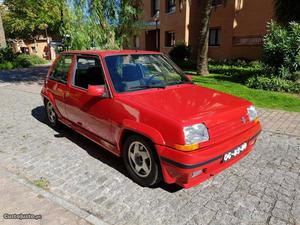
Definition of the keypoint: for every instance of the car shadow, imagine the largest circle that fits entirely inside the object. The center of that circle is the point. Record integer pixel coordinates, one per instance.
(93, 149)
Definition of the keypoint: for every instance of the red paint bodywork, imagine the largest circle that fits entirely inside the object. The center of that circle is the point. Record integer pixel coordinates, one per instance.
(160, 115)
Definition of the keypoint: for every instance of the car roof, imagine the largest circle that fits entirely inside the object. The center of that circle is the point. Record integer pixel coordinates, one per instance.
(104, 53)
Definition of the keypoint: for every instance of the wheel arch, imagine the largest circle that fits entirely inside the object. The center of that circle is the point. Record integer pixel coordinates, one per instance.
(135, 128)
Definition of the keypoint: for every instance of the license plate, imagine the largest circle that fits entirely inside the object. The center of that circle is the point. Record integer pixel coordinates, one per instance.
(235, 152)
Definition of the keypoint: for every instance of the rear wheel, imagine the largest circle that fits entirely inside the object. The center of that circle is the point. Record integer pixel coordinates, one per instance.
(51, 114)
(141, 161)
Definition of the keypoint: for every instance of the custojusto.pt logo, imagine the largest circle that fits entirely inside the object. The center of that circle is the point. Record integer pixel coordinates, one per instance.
(21, 216)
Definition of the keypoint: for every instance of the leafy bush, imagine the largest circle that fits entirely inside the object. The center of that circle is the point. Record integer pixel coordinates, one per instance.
(181, 55)
(6, 55)
(7, 66)
(24, 60)
(230, 62)
(238, 74)
(281, 52)
(273, 84)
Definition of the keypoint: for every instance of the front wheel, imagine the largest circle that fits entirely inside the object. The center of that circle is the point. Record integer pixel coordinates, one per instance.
(140, 161)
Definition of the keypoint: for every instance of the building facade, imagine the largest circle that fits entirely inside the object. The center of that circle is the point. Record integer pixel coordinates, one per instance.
(236, 28)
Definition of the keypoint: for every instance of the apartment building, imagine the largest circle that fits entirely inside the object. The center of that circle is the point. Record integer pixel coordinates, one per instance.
(236, 28)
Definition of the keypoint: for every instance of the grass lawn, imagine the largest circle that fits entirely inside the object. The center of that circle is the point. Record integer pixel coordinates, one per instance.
(261, 98)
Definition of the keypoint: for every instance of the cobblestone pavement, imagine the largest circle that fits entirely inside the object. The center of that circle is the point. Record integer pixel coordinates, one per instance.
(263, 188)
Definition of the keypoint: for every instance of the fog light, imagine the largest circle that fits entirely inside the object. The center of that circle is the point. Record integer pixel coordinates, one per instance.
(197, 173)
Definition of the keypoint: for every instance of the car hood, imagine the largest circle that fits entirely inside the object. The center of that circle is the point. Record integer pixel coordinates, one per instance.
(189, 103)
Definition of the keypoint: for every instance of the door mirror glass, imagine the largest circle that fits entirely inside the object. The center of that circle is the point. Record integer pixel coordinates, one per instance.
(96, 91)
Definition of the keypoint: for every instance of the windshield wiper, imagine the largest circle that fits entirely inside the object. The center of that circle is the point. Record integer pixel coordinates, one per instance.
(180, 82)
(147, 87)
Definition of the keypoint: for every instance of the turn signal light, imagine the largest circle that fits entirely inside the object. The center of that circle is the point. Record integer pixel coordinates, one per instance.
(187, 148)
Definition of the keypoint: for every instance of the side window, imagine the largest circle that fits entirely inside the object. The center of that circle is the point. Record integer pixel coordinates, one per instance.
(61, 69)
(88, 71)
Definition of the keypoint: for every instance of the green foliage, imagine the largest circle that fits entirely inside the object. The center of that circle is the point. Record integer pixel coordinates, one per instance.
(273, 84)
(7, 65)
(42, 183)
(129, 23)
(99, 24)
(287, 11)
(6, 54)
(27, 19)
(180, 54)
(9, 60)
(261, 98)
(281, 52)
(102, 24)
(24, 60)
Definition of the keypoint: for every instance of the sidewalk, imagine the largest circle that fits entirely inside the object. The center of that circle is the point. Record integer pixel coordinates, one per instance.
(281, 122)
(17, 198)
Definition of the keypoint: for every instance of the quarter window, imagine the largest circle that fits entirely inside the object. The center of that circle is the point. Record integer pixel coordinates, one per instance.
(169, 39)
(88, 72)
(171, 6)
(61, 69)
(214, 37)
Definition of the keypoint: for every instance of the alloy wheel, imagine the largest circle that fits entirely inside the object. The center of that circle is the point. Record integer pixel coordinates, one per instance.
(51, 112)
(139, 159)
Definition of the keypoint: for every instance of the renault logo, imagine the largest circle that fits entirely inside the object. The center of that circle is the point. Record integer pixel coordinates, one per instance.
(243, 120)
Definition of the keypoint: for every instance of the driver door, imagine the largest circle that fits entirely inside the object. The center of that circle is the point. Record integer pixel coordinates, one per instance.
(88, 112)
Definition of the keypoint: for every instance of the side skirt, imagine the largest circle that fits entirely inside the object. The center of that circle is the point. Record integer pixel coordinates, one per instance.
(103, 143)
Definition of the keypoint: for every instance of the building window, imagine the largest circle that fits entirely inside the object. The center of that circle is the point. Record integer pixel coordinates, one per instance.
(136, 41)
(214, 37)
(216, 2)
(169, 39)
(154, 7)
(171, 6)
(33, 49)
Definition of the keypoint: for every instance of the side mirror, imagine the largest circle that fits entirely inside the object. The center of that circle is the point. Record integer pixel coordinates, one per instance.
(190, 77)
(95, 91)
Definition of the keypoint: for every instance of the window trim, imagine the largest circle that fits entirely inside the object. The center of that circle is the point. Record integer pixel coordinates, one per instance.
(106, 84)
(71, 68)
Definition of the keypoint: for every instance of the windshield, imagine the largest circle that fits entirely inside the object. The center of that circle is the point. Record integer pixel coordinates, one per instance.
(140, 71)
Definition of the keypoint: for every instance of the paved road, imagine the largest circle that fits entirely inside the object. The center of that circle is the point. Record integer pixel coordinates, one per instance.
(263, 188)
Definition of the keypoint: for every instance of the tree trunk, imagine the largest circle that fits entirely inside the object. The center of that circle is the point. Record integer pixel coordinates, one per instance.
(202, 60)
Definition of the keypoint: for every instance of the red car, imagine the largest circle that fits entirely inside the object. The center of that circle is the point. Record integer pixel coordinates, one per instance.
(140, 105)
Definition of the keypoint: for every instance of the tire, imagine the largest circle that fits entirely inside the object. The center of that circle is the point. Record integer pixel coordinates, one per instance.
(141, 161)
(51, 115)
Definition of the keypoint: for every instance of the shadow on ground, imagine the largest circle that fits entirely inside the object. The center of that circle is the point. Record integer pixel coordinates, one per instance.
(93, 149)
(25, 75)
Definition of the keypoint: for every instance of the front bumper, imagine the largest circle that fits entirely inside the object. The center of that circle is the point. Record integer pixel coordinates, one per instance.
(188, 169)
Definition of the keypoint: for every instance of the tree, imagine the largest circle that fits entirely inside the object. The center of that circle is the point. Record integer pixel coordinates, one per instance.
(31, 18)
(202, 59)
(287, 11)
(102, 24)
(129, 24)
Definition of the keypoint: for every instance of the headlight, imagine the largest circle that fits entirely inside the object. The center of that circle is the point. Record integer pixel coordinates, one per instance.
(195, 134)
(252, 113)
